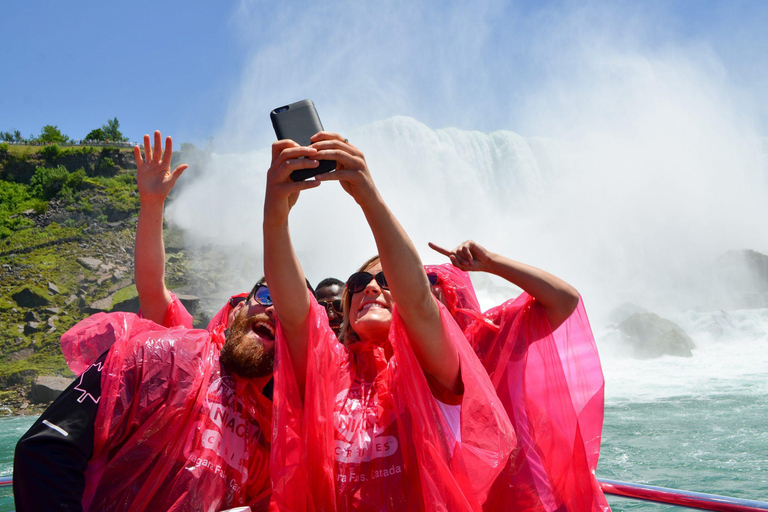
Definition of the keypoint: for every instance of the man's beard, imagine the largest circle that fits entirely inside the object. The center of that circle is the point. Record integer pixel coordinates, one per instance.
(244, 355)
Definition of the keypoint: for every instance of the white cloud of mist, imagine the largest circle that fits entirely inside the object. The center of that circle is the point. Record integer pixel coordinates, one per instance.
(639, 160)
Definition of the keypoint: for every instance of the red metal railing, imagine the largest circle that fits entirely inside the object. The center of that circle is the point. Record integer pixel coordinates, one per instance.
(688, 499)
(677, 497)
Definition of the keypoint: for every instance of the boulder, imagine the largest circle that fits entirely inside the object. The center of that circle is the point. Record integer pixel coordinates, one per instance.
(130, 305)
(21, 354)
(191, 302)
(52, 288)
(100, 305)
(739, 280)
(652, 336)
(45, 389)
(624, 311)
(32, 327)
(29, 297)
(31, 316)
(90, 263)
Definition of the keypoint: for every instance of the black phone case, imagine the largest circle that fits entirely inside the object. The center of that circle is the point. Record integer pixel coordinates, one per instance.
(299, 121)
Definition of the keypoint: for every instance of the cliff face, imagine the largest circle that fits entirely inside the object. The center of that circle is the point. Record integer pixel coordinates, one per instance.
(64, 259)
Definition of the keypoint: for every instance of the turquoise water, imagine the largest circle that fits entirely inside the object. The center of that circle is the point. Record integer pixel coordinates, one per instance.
(699, 423)
(717, 444)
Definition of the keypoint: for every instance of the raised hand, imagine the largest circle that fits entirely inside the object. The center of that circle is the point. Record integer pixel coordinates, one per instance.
(153, 173)
(351, 168)
(469, 256)
(282, 192)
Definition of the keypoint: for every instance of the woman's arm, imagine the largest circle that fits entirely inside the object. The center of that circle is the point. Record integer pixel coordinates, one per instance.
(558, 298)
(400, 261)
(155, 180)
(282, 270)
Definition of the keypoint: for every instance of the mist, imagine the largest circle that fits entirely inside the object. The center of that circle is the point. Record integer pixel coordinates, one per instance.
(580, 140)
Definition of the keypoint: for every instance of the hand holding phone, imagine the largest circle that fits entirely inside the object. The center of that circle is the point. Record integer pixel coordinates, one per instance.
(299, 121)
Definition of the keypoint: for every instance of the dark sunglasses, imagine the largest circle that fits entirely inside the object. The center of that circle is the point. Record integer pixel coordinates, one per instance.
(359, 280)
(332, 305)
(260, 293)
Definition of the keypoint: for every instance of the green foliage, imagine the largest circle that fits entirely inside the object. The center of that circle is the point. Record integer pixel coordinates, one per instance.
(47, 183)
(104, 166)
(11, 137)
(51, 153)
(14, 199)
(51, 133)
(112, 132)
(188, 147)
(4, 147)
(96, 134)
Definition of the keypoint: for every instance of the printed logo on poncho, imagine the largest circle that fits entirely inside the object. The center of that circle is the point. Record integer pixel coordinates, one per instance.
(223, 430)
(362, 422)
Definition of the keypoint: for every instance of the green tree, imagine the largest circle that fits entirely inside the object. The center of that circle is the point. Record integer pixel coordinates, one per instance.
(6, 136)
(112, 131)
(97, 134)
(51, 133)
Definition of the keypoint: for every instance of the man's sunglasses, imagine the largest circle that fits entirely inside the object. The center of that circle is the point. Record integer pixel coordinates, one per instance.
(359, 280)
(332, 305)
(260, 293)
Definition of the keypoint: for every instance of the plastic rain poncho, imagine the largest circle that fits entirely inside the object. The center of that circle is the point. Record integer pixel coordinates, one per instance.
(371, 435)
(172, 432)
(551, 385)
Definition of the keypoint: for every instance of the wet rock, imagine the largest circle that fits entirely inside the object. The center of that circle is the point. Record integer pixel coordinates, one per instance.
(52, 310)
(652, 336)
(31, 316)
(89, 263)
(29, 297)
(52, 288)
(45, 389)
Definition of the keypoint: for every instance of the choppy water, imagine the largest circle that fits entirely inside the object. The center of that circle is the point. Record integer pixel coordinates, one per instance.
(698, 424)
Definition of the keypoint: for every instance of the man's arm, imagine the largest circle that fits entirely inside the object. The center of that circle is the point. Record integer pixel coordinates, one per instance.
(558, 298)
(155, 180)
(51, 458)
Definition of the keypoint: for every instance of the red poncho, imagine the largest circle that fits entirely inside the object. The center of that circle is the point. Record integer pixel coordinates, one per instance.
(551, 385)
(371, 436)
(172, 432)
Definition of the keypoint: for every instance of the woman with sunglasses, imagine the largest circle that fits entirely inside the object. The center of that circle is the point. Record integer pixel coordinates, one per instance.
(402, 416)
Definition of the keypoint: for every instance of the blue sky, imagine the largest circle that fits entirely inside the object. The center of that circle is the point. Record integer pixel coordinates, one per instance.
(201, 69)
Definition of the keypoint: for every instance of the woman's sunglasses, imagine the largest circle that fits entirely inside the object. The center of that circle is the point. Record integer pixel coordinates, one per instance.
(260, 294)
(359, 280)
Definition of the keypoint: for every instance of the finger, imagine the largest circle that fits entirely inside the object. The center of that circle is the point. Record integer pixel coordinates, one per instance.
(137, 155)
(465, 254)
(342, 158)
(157, 150)
(455, 262)
(168, 154)
(147, 150)
(290, 151)
(286, 169)
(281, 145)
(435, 247)
(177, 172)
(324, 135)
(339, 145)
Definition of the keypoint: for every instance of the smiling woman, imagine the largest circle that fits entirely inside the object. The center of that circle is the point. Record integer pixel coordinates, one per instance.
(403, 399)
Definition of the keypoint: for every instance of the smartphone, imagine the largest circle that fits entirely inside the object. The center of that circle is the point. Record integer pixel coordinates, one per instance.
(299, 121)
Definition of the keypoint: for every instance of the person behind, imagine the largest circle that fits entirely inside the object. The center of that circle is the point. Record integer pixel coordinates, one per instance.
(162, 417)
(329, 294)
(540, 353)
(401, 416)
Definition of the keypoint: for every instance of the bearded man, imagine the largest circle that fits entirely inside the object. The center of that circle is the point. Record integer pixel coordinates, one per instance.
(161, 416)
